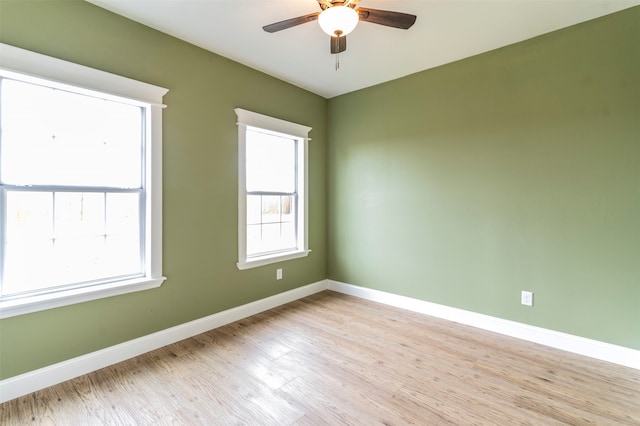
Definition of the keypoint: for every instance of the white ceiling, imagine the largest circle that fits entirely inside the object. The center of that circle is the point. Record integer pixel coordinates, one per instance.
(445, 31)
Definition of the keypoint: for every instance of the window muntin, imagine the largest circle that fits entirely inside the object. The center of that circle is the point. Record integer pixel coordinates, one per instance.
(81, 207)
(272, 196)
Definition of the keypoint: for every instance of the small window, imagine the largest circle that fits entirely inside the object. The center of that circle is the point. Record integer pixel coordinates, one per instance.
(79, 187)
(272, 199)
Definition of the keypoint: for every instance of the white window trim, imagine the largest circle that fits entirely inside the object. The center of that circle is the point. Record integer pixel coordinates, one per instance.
(253, 119)
(24, 62)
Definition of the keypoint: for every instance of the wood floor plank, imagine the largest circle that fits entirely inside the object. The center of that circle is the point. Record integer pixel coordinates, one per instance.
(332, 359)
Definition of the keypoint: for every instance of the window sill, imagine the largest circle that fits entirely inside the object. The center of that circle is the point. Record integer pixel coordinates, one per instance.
(41, 302)
(266, 260)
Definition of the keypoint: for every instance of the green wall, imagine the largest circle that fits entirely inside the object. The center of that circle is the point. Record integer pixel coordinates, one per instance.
(518, 169)
(200, 180)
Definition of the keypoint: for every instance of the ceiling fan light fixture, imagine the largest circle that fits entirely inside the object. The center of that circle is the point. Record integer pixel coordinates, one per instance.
(338, 20)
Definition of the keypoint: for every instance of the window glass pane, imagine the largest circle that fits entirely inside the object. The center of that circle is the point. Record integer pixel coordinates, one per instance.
(288, 232)
(254, 209)
(19, 274)
(122, 256)
(271, 236)
(271, 209)
(54, 137)
(271, 163)
(122, 214)
(29, 216)
(28, 238)
(287, 208)
(254, 239)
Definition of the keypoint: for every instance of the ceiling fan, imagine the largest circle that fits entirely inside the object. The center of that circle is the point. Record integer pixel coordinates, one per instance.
(338, 18)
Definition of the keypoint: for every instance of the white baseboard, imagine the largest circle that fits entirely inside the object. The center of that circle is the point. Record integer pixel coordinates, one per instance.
(568, 342)
(32, 381)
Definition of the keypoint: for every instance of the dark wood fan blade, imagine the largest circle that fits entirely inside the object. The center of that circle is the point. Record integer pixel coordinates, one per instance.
(385, 17)
(288, 23)
(338, 44)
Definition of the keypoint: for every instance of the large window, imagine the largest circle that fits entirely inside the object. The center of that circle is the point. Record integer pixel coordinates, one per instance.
(79, 183)
(272, 199)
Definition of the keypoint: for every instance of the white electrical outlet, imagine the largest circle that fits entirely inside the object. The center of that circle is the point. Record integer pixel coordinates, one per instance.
(526, 298)
(279, 273)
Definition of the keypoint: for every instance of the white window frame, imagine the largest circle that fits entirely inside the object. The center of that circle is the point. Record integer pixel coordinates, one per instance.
(30, 66)
(299, 132)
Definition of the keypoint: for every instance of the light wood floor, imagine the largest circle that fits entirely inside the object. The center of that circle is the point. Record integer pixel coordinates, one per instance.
(333, 359)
